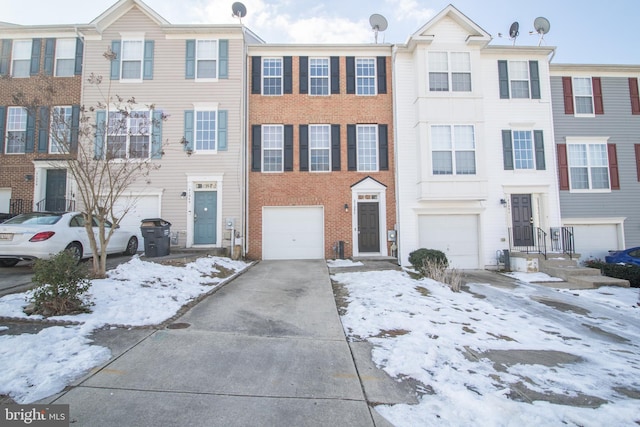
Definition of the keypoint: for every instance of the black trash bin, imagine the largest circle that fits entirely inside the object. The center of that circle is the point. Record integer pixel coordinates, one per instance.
(157, 237)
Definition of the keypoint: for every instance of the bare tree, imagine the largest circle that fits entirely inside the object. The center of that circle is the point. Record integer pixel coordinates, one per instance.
(106, 148)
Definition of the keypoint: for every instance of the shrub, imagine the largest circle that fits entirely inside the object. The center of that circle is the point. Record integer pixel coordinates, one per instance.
(62, 282)
(433, 264)
(619, 271)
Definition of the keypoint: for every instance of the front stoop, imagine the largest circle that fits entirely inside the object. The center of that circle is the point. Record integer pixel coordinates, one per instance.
(575, 276)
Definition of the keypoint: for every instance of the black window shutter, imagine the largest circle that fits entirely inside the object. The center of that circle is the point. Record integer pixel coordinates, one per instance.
(304, 74)
(75, 127)
(382, 74)
(49, 53)
(3, 111)
(352, 150)
(5, 56)
(304, 148)
(288, 148)
(534, 75)
(36, 48)
(383, 147)
(79, 54)
(288, 75)
(335, 75)
(31, 130)
(351, 75)
(507, 150)
(335, 147)
(256, 150)
(503, 77)
(538, 141)
(256, 75)
(43, 130)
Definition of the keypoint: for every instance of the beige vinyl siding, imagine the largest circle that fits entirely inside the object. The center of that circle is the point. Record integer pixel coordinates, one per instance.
(170, 92)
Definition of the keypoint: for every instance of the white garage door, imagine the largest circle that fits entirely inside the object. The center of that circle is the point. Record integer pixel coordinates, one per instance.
(141, 207)
(455, 235)
(5, 200)
(293, 232)
(593, 241)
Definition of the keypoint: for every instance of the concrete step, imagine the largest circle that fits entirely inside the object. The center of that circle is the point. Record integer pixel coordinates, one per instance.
(559, 262)
(569, 271)
(592, 282)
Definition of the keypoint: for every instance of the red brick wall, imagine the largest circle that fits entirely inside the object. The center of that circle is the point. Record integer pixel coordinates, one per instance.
(32, 91)
(329, 189)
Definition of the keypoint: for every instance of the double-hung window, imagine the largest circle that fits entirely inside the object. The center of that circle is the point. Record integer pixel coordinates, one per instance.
(16, 130)
(519, 79)
(449, 72)
(21, 58)
(453, 150)
(129, 137)
(367, 148)
(65, 57)
(132, 57)
(588, 166)
(365, 76)
(206, 130)
(272, 76)
(320, 148)
(523, 151)
(60, 130)
(583, 95)
(319, 76)
(206, 59)
(272, 148)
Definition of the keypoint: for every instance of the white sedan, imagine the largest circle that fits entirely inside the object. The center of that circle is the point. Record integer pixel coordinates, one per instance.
(44, 234)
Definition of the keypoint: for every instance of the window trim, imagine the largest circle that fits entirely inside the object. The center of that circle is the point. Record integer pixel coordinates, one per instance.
(217, 61)
(58, 57)
(67, 130)
(123, 41)
(575, 96)
(376, 146)
(587, 141)
(27, 59)
(327, 149)
(512, 79)
(263, 149)
(374, 77)
(202, 109)
(8, 129)
(128, 136)
(450, 72)
(453, 150)
(326, 77)
(263, 75)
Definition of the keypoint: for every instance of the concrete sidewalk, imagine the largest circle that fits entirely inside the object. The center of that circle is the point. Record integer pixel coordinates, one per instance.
(267, 349)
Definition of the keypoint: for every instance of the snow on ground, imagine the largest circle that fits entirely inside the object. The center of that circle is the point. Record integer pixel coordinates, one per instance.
(136, 293)
(533, 277)
(421, 329)
(336, 263)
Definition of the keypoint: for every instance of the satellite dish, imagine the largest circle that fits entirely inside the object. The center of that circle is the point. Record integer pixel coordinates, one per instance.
(239, 10)
(513, 31)
(542, 27)
(378, 23)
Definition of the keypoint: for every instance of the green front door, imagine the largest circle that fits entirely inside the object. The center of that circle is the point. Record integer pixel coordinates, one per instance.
(56, 188)
(205, 217)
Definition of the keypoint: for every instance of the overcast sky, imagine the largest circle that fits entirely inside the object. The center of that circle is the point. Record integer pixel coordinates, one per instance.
(596, 32)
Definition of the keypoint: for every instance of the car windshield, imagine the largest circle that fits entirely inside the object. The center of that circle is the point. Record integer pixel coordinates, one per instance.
(34, 219)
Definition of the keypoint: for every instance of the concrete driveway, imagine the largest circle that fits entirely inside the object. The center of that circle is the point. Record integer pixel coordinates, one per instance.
(266, 349)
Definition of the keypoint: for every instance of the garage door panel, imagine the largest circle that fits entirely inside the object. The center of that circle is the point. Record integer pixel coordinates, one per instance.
(455, 235)
(140, 207)
(594, 241)
(293, 233)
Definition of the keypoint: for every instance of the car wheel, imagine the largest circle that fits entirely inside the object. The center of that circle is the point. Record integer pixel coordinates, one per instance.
(8, 262)
(75, 249)
(132, 246)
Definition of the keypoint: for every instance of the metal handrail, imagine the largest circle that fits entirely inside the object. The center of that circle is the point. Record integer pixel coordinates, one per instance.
(539, 240)
(568, 244)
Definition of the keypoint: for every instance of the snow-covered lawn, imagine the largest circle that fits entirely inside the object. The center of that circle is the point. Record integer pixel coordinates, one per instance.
(137, 293)
(423, 330)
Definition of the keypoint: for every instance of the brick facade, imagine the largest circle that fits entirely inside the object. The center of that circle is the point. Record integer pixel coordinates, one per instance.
(17, 170)
(332, 190)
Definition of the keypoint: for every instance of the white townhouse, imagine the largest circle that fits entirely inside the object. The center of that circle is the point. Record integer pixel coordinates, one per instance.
(475, 157)
(195, 75)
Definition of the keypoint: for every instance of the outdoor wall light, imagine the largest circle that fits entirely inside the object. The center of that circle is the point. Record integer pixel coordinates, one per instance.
(346, 207)
(183, 194)
(503, 202)
(28, 177)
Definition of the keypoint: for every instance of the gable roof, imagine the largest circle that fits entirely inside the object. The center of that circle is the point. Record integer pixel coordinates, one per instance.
(120, 8)
(477, 35)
